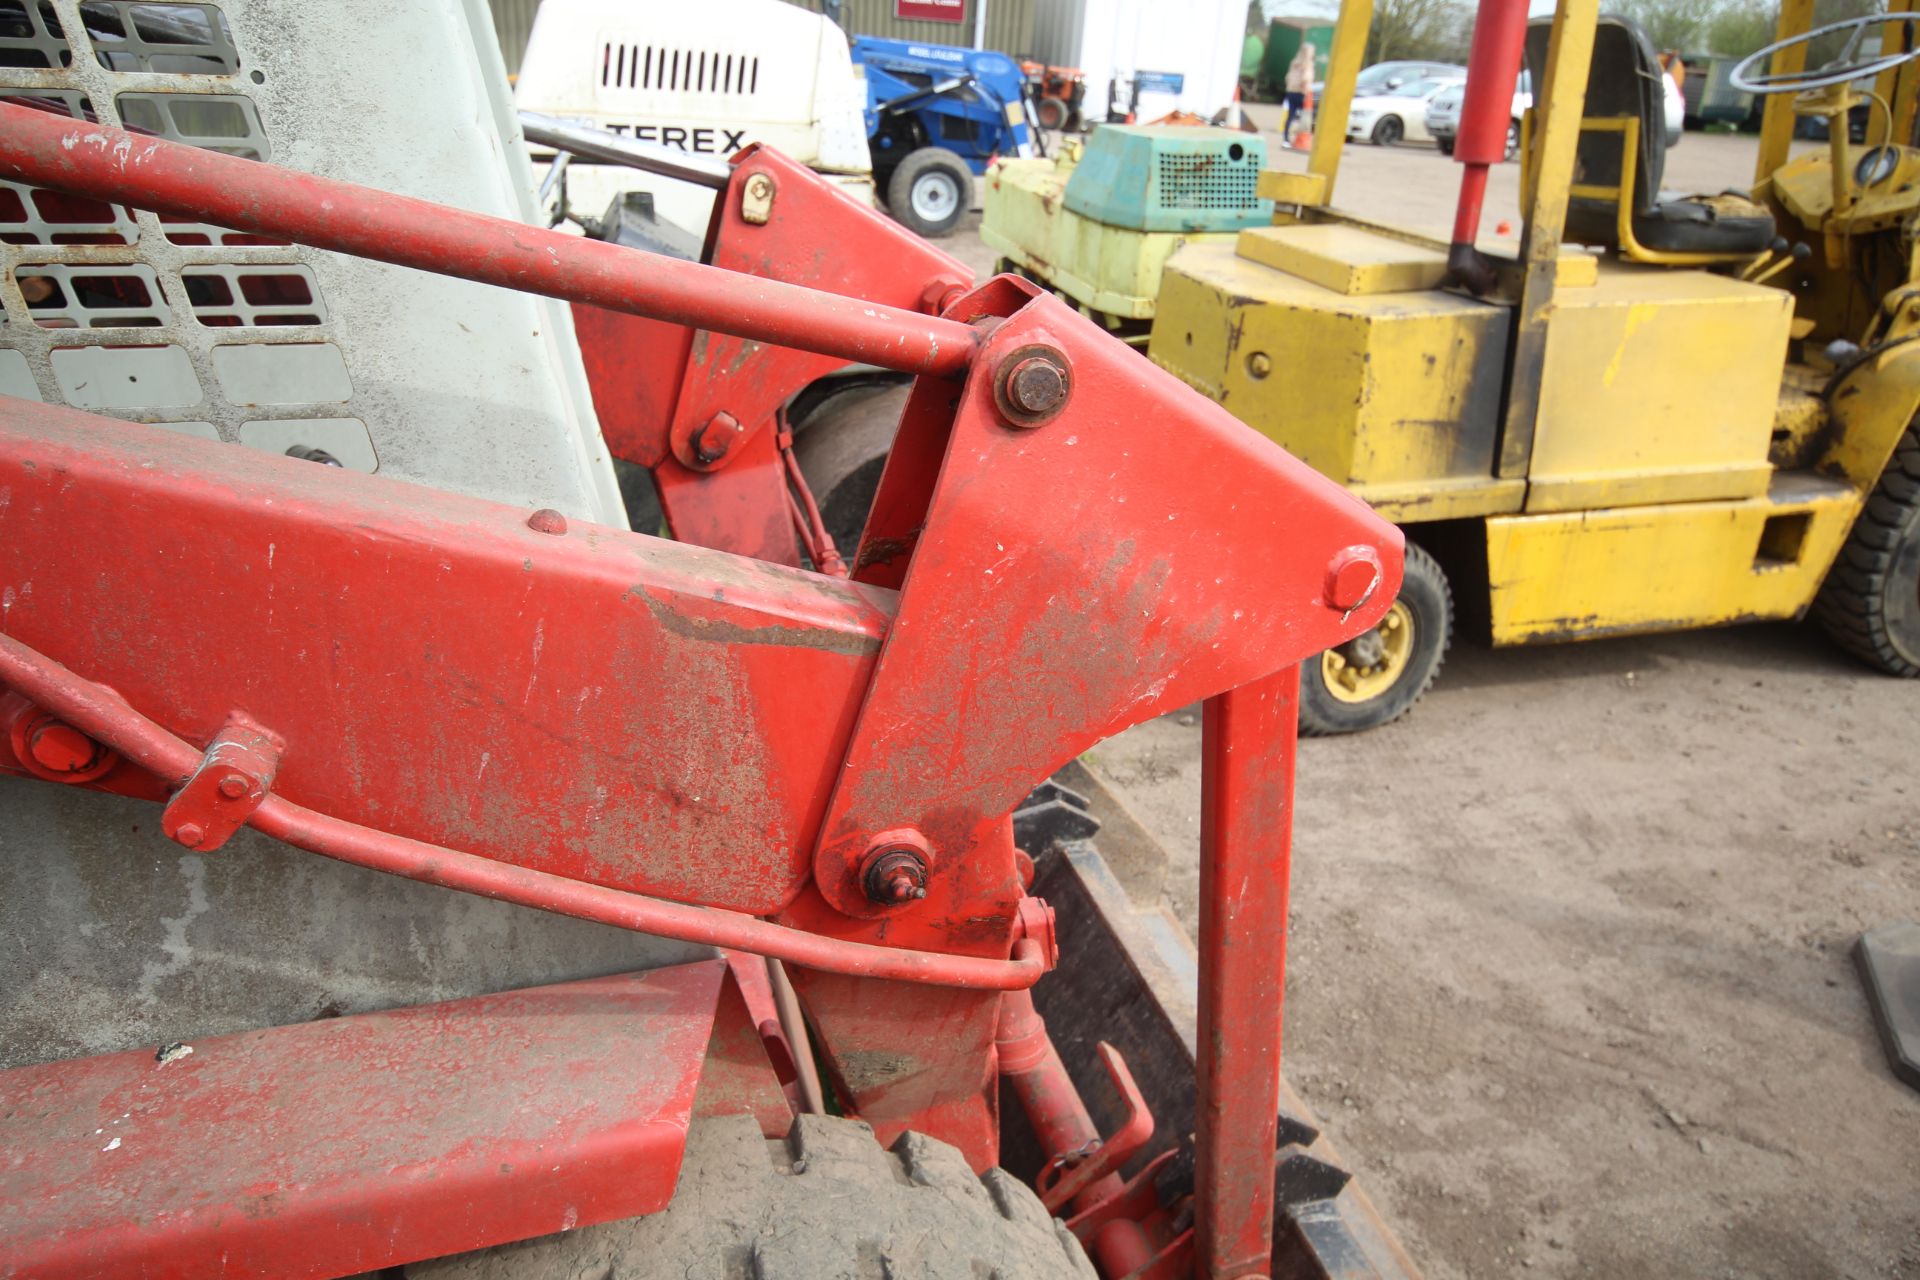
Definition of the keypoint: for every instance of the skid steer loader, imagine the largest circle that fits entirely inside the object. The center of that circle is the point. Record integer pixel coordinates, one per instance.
(309, 545)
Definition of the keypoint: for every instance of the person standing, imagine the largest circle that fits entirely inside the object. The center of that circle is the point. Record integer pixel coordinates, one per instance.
(1299, 80)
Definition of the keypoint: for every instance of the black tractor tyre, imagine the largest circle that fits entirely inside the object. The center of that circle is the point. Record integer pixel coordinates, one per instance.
(1870, 602)
(930, 192)
(1445, 145)
(1050, 114)
(841, 445)
(1425, 609)
(1388, 131)
(826, 1201)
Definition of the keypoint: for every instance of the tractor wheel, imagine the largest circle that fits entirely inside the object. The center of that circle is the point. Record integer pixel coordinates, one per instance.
(1445, 145)
(1870, 602)
(1388, 131)
(826, 1201)
(841, 445)
(1375, 678)
(1050, 114)
(930, 192)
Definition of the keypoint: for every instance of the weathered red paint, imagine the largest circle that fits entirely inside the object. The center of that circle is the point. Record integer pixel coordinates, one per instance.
(104, 715)
(657, 386)
(220, 795)
(600, 706)
(1115, 575)
(350, 1144)
(1246, 835)
(813, 235)
(702, 727)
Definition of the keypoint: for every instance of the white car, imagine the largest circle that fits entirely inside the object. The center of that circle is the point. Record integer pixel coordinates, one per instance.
(1443, 115)
(1399, 115)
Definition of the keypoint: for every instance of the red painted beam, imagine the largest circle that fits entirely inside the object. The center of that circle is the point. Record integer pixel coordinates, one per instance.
(145, 172)
(1246, 842)
(347, 1145)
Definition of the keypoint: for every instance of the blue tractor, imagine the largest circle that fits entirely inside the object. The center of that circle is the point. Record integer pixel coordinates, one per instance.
(936, 115)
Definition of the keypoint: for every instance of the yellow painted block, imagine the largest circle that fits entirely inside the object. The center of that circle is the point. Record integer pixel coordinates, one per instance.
(1391, 394)
(1344, 258)
(1283, 186)
(1666, 568)
(1573, 270)
(1657, 386)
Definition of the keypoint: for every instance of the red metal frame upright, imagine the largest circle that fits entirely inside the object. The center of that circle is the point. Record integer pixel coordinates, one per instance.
(1246, 841)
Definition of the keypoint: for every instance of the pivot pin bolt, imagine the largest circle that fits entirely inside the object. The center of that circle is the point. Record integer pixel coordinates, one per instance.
(895, 877)
(1034, 385)
(1037, 385)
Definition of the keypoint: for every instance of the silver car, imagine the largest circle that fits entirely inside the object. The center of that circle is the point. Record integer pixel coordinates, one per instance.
(1443, 113)
(1385, 77)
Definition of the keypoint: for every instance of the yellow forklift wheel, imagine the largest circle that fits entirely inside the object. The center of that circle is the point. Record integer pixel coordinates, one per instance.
(1374, 678)
(1369, 665)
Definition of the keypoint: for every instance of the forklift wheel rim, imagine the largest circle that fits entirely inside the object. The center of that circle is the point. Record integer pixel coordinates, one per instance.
(1348, 682)
(934, 196)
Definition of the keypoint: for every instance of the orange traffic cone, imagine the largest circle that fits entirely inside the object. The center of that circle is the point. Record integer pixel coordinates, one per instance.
(1303, 138)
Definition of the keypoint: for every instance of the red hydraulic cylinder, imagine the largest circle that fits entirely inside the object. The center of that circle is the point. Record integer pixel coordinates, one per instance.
(119, 167)
(1493, 68)
(1246, 838)
(1032, 1066)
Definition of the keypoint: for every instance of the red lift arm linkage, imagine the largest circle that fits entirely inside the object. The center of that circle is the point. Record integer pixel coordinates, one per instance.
(1066, 541)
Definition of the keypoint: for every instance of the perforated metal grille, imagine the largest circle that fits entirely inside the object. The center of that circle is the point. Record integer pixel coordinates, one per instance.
(194, 327)
(171, 39)
(226, 296)
(219, 122)
(644, 66)
(30, 35)
(60, 296)
(1207, 181)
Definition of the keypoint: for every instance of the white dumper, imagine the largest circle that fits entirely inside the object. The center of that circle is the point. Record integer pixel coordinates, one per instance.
(705, 79)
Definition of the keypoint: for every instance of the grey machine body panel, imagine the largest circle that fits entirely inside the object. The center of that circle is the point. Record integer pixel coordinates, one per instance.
(114, 937)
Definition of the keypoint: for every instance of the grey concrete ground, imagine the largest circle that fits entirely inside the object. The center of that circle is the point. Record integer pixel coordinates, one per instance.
(1569, 977)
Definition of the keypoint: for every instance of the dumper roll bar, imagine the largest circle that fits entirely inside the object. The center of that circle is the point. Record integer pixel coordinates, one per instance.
(1066, 541)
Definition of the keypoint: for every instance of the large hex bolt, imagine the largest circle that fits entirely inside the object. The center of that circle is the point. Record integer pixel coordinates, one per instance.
(1034, 384)
(895, 869)
(50, 748)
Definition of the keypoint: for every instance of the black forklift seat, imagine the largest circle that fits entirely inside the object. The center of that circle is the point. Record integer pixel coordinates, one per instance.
(1624, 131)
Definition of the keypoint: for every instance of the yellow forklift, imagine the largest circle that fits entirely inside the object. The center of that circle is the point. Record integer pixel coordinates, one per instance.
(1667, 412)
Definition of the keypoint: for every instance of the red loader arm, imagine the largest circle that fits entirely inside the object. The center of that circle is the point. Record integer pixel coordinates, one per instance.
(1066, 542)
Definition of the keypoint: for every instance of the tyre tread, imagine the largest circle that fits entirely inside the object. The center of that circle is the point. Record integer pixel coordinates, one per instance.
(1852, 604)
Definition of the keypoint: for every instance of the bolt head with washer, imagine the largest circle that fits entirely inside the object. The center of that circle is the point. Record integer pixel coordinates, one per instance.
(895, 869)
(1033, 385)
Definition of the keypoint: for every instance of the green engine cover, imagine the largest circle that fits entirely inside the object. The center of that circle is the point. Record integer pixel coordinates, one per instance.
(1170, 178)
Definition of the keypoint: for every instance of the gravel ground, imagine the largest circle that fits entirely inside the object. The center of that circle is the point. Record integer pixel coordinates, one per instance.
(1570, 974)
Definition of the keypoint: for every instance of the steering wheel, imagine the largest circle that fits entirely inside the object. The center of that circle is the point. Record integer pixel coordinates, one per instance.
(1848, 65)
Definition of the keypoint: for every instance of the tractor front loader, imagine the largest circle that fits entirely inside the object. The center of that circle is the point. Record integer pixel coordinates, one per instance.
(734, 758)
